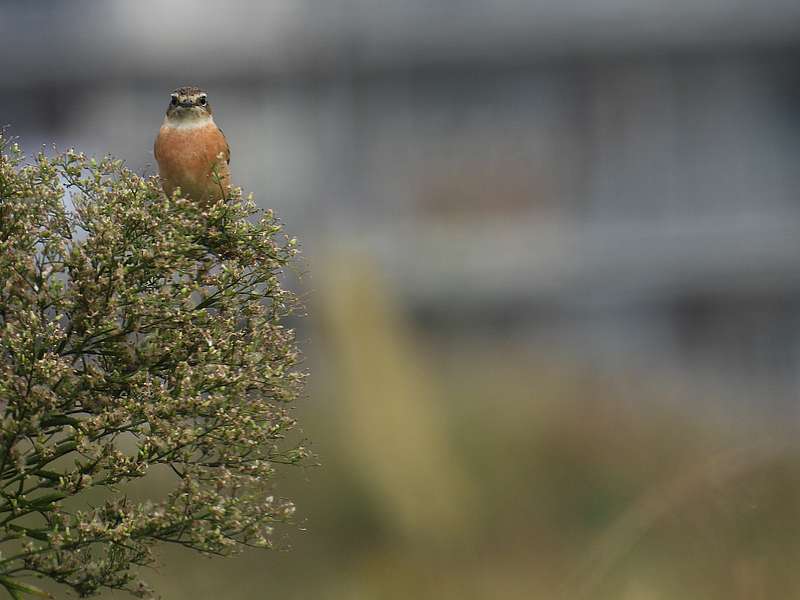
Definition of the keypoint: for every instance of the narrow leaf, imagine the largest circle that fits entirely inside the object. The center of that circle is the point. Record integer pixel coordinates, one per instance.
(46, 500)
(17, 588)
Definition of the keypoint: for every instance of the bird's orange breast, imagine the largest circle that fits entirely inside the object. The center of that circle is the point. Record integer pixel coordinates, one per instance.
(193, 159)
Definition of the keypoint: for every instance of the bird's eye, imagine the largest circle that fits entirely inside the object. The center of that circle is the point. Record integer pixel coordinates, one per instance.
(174, 101)
(202, 100)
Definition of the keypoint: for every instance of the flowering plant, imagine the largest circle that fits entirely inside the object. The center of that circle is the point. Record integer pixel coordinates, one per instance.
(139, 335)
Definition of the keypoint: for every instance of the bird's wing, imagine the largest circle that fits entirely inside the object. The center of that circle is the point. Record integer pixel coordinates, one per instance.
(227, 147)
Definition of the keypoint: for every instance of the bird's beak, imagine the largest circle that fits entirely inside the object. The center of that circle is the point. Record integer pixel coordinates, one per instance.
(186, 104)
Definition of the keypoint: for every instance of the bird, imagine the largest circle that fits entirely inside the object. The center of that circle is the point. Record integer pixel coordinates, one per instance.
(191, 150)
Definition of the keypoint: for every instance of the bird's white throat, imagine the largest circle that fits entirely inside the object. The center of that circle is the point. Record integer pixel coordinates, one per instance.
(189, 120)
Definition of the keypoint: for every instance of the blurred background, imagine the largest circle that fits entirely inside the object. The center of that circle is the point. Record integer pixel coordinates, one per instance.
(552, 256)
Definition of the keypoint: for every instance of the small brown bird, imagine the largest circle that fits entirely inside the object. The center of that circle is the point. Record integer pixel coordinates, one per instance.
(191, 151)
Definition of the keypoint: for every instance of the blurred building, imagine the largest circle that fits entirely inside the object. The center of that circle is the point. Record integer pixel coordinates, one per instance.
(617, 181)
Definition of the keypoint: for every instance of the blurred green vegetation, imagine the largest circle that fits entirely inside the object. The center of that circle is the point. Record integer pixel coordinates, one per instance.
(477, 469)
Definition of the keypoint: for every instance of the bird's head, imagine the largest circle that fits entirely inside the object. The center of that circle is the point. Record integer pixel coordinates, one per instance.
(188, 104)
